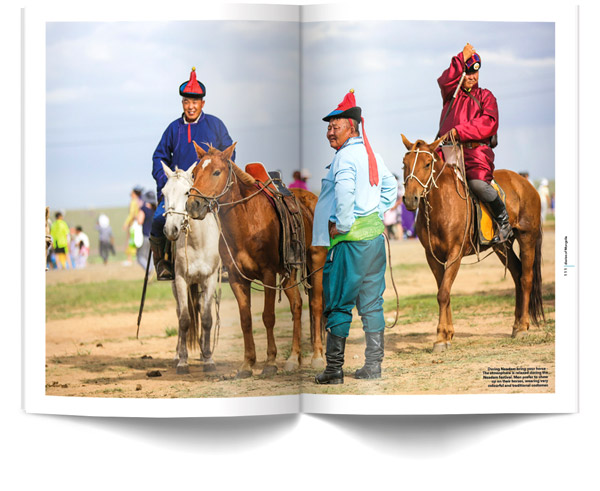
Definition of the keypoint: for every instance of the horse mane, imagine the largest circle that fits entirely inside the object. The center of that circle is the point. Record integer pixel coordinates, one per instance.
(243, 175)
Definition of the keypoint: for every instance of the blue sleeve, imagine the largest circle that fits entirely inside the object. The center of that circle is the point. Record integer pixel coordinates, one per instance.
(223, 137)
(389, 190)
(163, 152)
(345, 193)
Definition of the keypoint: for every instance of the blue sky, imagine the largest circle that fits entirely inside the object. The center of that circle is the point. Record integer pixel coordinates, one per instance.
(112, 89)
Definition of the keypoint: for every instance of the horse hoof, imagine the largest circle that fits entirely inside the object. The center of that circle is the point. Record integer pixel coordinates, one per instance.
(439, 347)
(244, 374)
(209, 367)
(183, 370)
(317, 363)
(291, 366)
(519, 334)
(269, 370)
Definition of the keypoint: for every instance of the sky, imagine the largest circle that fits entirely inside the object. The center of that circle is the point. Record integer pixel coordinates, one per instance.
(112, 89)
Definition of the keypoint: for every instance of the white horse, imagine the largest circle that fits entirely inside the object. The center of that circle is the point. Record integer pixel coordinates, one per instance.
(197, 264)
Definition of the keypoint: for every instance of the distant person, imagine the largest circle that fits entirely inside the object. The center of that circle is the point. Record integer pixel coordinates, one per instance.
(82, 242)
(298, 182)
(391, 218)
(525, 174)
(128, 226)
(60, 240)
(144, 218)
(407, 219)
(176, 149)
(472, 118)
(544, 192)
(73, 249)
(105, 236)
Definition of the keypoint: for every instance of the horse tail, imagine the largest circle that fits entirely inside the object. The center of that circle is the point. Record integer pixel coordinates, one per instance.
(193, 336)
(536, 309)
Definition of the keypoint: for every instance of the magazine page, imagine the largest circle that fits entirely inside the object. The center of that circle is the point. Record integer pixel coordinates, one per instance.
(120, 93)
(462, 338)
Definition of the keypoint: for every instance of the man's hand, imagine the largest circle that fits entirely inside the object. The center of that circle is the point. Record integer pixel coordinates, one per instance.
(451, 134)
(333, 231)
(468, 51)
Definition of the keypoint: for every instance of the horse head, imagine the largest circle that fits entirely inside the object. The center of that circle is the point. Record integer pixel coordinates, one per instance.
(212, 180)
(175, 192)
(419, 169)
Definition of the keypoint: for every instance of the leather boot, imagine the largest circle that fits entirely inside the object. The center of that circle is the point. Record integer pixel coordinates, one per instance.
(164, 269)
(373, 356)
(334, 355)
(500, 215)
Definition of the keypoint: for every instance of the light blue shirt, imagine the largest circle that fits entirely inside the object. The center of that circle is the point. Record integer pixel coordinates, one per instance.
(346, 193)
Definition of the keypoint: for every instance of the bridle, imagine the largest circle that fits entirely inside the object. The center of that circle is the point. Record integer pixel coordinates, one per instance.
(172, 211)
(213, 201)
(430, 179)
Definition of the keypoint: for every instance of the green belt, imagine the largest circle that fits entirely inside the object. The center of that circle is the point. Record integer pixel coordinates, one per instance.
(363, 228)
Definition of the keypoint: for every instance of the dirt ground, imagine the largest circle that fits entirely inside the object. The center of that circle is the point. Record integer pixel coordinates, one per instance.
(99, 355)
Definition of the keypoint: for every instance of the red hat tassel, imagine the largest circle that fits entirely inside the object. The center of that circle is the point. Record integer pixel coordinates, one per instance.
(373, 173)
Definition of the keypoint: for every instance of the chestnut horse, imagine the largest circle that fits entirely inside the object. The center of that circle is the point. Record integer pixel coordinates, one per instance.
(445, 228)
(249, 248)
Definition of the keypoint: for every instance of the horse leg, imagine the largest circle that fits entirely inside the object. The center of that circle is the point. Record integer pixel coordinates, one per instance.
(315, 295)
(514, 266)
(445, 279)
(268, 318)
(206, 301)
(527, 242)
(241, 290)
(180, 293)
(293, 294)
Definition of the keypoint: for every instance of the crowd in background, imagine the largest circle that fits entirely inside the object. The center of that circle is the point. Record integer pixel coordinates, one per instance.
(71, 245)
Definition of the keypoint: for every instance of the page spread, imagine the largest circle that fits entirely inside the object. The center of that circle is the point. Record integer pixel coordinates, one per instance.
(186, 273)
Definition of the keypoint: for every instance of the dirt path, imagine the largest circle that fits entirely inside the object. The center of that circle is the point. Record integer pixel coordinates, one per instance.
(99, 355)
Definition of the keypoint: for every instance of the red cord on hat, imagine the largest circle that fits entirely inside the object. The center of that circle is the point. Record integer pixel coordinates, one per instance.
(373, 172)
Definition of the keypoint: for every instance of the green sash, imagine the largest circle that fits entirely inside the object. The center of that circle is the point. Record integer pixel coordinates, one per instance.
(363, 228)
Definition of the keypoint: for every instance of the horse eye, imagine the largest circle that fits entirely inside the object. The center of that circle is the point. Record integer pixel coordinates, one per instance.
(216, 173)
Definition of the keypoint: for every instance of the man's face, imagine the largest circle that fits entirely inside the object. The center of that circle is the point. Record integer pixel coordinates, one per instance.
(192, 108)
(338, 131)
(470, 80)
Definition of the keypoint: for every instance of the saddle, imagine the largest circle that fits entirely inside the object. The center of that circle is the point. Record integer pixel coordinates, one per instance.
(292, 244)
(484, 226)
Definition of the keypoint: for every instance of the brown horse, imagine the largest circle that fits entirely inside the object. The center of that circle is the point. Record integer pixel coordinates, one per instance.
(445, 228)
(249, 248)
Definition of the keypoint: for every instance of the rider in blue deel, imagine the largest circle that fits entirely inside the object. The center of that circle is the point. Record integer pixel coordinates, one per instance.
(176, 149)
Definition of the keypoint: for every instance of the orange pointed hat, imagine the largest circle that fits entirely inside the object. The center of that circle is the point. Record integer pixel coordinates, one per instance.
(348, 109)
(192, 88)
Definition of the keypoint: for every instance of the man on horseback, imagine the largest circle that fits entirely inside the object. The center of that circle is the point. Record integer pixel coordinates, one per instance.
(470, 115)
(176, 149)
(356, 192)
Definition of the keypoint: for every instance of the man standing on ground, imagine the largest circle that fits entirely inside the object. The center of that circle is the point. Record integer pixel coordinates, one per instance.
(355, 194)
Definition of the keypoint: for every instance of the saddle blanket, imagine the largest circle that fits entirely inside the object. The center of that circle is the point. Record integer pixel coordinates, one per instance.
(486, 226)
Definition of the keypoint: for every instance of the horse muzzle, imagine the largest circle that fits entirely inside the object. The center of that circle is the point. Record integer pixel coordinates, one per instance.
(411, 201)
(197, 208)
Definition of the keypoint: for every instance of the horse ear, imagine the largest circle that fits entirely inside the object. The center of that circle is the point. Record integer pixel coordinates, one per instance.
(435, 144)
(228, 152)
(406, 142)
(190, 171)
(167, 170)
(199, 150)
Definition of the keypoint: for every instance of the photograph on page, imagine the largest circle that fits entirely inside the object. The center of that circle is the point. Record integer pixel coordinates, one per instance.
(284, 209)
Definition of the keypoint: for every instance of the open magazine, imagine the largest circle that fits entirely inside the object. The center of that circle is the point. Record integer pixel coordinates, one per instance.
(109, 87)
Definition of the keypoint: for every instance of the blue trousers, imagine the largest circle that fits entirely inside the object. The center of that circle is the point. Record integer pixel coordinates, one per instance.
(158, 220)
(354, 275)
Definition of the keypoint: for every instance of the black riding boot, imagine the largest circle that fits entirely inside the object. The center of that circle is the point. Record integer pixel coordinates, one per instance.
(501, 217)
(333, 373)
(373, 356)
(164, 268)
